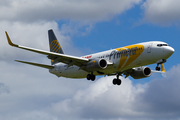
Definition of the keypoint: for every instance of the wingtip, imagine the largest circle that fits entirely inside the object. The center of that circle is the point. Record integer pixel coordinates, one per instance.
(9, 40)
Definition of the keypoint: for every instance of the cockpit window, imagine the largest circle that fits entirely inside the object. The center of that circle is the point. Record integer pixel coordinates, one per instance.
(159, 45)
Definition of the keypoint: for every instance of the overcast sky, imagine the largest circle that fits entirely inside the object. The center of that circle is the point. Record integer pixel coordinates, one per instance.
(84, 27)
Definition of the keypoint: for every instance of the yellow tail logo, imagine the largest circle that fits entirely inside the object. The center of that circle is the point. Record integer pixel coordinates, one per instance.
(55, 47)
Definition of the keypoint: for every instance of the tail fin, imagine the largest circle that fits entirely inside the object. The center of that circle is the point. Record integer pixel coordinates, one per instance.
(54, 44)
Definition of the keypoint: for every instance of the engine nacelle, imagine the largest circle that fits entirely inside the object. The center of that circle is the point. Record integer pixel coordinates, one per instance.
(96, 64)
(141, 72)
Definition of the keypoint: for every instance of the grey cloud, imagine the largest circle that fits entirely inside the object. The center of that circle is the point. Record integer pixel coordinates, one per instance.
(89, 10)
(33, 35)
(4, 88)
(102, 100)
(162, 96)
(31, 91)
(4, 3)
(162, 12)
(35, 93)
(158, 99)
(82, 15)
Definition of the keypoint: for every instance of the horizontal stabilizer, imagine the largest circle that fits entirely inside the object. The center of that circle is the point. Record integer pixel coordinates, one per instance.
(37, 64)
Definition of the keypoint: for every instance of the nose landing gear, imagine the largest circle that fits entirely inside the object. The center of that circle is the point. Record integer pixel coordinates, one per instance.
(158, 68)
(160, 62)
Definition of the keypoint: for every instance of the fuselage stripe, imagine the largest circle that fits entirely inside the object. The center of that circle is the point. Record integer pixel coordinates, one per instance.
(130, 53)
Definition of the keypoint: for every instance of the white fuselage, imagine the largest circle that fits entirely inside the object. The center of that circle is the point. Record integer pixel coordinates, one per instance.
(123, 58)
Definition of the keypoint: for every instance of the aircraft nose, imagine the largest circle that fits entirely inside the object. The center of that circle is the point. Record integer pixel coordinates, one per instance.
(169, 50)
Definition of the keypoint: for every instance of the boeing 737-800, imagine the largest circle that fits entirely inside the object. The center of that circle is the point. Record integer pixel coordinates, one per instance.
(129, 60)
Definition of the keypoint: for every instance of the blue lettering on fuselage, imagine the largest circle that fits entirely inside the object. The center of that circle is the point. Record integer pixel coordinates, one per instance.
(122, 53)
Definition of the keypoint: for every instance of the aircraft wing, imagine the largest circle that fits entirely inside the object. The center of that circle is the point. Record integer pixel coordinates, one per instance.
(67, 59)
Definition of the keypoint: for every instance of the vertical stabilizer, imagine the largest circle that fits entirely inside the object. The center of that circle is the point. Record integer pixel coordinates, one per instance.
(54, 45)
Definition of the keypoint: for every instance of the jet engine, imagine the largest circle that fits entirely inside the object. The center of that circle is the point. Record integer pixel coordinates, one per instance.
(96, 64)
(141, 72)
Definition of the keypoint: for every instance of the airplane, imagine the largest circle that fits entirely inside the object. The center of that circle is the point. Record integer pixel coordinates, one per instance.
(128, 60)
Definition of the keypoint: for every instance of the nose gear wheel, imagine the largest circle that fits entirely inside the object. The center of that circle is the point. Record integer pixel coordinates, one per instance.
(158, 68)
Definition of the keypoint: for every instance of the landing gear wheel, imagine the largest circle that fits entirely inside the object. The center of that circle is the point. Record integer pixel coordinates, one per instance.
(158, 68)
(116, 81)
(91, 77)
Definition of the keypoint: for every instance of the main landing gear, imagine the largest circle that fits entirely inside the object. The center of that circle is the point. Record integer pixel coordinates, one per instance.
(117, 81)
(91, 77)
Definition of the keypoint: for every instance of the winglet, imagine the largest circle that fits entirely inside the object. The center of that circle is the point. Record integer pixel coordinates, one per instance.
(9, 40)
(162, 68)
